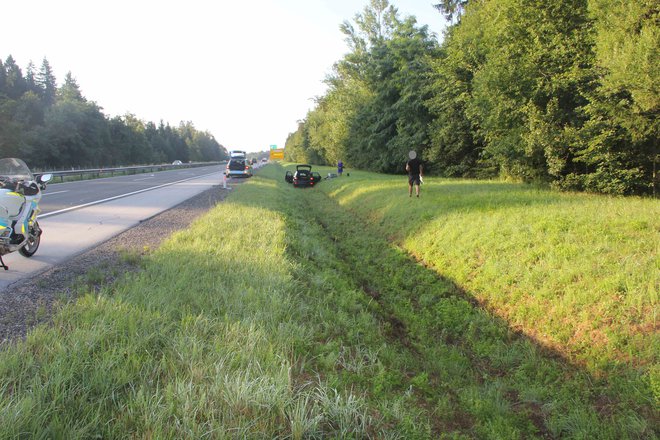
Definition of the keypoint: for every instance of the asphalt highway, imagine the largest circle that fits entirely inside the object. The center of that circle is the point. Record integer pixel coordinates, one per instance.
(78, 215)
(64, 197)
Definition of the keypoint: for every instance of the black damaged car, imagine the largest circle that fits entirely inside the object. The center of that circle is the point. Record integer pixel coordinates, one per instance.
(303, 176)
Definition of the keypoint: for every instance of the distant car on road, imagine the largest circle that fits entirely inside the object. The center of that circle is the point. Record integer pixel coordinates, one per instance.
(238, 168)
(177, 162)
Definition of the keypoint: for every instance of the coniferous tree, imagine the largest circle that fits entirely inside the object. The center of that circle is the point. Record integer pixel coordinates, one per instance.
(30, 78)
(15, 84)
(70, 89)
(3, 79)
(14, 110)
(47, 83)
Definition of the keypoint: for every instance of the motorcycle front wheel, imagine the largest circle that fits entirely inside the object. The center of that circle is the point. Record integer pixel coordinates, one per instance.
(34, 238)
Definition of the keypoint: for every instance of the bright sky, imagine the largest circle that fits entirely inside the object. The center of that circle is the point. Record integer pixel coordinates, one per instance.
(246, 71)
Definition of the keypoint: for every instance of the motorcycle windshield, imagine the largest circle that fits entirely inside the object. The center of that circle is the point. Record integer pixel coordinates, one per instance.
(14, 169)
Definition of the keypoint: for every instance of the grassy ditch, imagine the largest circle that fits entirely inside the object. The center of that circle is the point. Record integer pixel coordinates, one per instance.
(578, 273)
(583, 248)
(289, 313)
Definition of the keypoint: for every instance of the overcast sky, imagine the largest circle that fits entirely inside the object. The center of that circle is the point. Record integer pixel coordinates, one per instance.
(246, 71)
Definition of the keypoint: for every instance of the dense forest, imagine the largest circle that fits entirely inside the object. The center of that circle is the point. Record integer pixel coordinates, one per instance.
(53, 127)
(563, 92)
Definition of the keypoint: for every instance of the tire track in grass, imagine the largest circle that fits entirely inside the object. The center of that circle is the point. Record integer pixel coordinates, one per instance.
(353, 242)
(393, 330)
(398, 330)
(399, 334)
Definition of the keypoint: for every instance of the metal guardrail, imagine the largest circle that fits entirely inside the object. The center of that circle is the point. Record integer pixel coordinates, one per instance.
(96, 173)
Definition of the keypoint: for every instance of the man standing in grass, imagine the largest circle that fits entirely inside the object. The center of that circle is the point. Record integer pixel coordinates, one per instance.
(415, 170)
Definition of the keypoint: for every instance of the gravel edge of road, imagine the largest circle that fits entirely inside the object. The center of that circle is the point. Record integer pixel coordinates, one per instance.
(32, 301)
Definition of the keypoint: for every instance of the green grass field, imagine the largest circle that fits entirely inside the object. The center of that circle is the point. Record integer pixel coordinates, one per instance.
(480, 310)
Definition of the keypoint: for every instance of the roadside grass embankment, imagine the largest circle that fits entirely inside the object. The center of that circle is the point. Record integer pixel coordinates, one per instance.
(578, 273)
(289, 313)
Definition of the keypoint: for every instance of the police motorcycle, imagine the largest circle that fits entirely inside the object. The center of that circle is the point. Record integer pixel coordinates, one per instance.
(20, 193)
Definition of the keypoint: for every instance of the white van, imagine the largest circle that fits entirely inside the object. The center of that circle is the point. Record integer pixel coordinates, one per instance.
(237, 154)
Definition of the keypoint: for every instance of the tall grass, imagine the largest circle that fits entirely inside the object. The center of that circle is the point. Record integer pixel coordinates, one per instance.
(291, 313)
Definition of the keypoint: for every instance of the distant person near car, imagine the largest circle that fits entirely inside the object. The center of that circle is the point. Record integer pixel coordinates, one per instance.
(340, 167)
(415, 170)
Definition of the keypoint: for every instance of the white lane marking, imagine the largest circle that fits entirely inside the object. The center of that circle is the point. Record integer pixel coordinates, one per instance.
(120, 196)
(56, 192)
(144, 178)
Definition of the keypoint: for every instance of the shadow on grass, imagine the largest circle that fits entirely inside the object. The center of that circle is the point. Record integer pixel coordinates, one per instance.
(497, 379)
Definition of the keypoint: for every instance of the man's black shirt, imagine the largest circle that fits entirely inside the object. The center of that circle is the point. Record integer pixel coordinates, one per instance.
(414, 166)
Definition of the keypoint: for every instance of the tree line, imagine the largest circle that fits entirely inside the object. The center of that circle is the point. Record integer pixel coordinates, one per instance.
(53, 127)
(564, 92)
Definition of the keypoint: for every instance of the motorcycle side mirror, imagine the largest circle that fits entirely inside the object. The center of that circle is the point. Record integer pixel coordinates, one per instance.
(43, 178)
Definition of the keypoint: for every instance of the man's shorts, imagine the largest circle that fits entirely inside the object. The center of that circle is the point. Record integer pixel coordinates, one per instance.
(413, 179)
